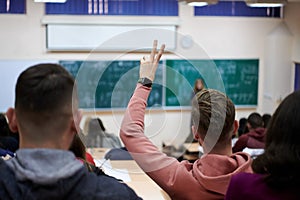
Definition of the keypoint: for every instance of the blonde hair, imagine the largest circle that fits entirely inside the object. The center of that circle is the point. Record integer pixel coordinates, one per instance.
(213, 113)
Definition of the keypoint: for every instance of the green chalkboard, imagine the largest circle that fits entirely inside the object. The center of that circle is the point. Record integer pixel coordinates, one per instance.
(237, 78)
(110, 84)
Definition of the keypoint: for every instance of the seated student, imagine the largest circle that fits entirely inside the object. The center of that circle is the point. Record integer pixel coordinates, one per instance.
(266, 118)
(98, 137)
(209, 176)
(256, 137)
(277, 174)
(47, 118)
(242, 127)
(241, 130)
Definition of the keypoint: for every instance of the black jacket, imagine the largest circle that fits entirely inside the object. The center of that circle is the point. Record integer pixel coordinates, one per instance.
(82, 185)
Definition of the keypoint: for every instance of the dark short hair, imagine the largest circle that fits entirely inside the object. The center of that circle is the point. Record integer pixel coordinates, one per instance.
(213, 110)
(266, 119)
(242, 126)
(43, 92)
(281, 160)
(255, 120)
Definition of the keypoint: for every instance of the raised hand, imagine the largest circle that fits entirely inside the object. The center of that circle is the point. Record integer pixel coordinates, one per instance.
(149, 64)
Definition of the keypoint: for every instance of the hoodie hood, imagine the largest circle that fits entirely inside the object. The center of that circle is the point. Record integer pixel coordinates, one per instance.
(215, 171)
(257, 138)
(44, 166)
(258, 134)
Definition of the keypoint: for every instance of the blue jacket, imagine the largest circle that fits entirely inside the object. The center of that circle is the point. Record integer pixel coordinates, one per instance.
(29, 182)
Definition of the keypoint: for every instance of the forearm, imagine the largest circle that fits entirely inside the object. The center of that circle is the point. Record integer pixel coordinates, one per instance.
(141, 148)
(133, 122)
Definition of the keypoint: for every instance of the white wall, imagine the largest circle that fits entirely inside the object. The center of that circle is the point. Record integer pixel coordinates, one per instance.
(23, 37)
(278, 65)
(292, 19)
(8, 76)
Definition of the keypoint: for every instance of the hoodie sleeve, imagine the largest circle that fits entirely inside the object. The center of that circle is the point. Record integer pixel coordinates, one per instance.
(161, 168)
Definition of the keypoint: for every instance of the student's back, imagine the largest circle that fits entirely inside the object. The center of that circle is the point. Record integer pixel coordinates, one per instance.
(277, 174)
(47, 118)
(79, 184)
(253, 187)
(255, 138)
(213, 116)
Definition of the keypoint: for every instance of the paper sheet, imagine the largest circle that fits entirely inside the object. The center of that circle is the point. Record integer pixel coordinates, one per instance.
(121, 174)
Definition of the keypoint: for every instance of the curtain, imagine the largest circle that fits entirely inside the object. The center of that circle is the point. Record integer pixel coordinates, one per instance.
(115, 7)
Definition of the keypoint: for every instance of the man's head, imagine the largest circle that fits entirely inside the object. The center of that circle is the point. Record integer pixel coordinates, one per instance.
(255, 121)
(213, 115)
(43, 107)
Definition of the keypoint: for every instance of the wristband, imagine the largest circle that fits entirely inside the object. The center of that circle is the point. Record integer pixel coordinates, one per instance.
(145, 82)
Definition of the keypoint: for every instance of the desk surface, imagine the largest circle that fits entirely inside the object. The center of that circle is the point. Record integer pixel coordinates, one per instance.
(191, 147)
(144, 186)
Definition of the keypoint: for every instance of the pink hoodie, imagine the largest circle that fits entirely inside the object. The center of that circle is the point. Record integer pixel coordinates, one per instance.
(207, 178)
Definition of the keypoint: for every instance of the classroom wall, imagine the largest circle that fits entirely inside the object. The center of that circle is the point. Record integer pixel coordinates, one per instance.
(278, 51)
(292, 19)
(221, 37)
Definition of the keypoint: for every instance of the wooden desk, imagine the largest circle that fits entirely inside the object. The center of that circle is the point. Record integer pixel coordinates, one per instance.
(97, 153)
(144, 186)
(192, 151)
(192, 147)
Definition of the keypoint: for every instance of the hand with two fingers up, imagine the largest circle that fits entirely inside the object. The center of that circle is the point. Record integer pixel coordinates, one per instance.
(149, 64)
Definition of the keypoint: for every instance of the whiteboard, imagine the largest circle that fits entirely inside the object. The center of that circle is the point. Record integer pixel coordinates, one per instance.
(86, 37)
(10, 70)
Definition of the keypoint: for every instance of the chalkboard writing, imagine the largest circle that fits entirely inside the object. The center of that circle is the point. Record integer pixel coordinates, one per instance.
(110, 84)
(237, 78)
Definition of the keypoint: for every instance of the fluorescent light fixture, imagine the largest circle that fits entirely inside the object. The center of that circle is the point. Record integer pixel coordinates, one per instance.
(50, 1)
(201, 2)
(265, 3)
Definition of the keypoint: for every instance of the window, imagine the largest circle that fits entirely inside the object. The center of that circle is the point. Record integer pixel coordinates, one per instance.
(115, 7)
(236, 8)
(12, 6)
